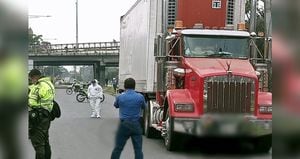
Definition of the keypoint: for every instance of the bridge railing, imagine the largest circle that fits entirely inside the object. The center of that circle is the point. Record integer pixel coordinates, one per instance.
(95, 48)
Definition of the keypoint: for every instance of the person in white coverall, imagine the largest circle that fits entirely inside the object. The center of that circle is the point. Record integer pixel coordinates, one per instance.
(95, 95)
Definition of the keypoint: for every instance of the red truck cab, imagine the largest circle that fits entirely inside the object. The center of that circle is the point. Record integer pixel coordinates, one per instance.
(213, 91)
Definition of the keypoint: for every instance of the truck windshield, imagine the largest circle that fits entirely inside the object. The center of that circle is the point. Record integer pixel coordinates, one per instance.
(216, 46)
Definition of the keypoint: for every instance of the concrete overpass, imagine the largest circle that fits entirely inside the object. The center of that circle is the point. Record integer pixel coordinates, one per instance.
(97, 54)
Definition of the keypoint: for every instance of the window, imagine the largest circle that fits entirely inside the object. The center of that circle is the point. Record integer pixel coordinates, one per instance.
(216, 4)
(216, 46)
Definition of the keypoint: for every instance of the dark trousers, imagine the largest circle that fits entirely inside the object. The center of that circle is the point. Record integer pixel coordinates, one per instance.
(115, 87)
(10, 113)
(8, 138)
(39, 136)
(128, 129)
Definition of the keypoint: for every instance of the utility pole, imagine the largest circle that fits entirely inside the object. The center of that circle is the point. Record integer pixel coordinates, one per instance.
(253, 29)
(253, 16)
(76, 25)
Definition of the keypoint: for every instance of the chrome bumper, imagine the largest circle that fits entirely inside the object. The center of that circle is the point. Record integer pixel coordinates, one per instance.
(223, 126)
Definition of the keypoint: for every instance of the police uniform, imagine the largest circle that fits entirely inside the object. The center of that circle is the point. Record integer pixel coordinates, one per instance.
(40, 101)
(12, 90)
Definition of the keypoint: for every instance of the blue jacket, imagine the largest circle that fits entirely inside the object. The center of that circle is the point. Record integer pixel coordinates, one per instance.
(130, 104)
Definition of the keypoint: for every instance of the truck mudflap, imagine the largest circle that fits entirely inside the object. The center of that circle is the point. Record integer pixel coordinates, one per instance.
(223, 126)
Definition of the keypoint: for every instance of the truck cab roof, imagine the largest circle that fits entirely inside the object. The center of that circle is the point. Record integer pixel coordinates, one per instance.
(215, 32)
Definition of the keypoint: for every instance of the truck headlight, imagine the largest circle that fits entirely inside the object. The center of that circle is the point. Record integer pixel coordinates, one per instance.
(265, 109)
(184, 107)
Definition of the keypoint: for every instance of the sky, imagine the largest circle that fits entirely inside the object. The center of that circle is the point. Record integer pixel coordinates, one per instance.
(98, 20)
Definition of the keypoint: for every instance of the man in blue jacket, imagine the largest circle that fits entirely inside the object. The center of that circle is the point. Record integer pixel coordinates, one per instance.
(130, 104)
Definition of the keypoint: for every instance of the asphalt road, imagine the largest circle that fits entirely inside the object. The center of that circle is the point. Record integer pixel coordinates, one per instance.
(77, 136)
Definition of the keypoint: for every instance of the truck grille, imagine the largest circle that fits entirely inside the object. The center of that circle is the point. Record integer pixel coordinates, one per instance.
(223, 94)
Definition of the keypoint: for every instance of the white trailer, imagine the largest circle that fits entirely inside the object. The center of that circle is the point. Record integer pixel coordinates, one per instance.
(137, 45)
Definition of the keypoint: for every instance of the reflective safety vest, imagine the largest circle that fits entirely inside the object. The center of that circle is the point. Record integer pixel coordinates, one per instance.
(42, 94)
(12, 79)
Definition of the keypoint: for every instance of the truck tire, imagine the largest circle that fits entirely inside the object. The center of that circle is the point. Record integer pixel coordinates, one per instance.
(263, 144)
(171, 139)
(80, 97)
(149, 131)
(69, 91)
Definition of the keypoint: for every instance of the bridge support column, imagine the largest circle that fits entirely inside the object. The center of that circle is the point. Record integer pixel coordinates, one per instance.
(100, 73)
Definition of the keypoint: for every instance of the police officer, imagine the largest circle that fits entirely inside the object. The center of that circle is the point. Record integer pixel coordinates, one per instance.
(40, 101)
(12, 90)
(130, 104)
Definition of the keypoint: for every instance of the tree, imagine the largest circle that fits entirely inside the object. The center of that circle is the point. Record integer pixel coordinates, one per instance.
(34, 39)
(260, 20)
(55, 71)
(111, 72)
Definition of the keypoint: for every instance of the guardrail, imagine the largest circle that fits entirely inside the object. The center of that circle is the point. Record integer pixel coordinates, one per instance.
(95, 48)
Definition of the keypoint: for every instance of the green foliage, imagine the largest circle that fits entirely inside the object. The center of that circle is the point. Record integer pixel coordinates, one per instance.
(34, 39)
(260, 20)
(260, 15)
(111, 72)
(55, 71)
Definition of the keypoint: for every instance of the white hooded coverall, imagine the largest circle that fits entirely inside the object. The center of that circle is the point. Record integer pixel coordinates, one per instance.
(95, 93)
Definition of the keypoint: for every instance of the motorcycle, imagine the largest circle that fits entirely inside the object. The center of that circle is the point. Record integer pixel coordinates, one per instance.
(82, 96)
(75, 87)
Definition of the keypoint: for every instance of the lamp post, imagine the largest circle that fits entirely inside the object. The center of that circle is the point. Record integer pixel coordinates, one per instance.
(76, 50)
(76, 25)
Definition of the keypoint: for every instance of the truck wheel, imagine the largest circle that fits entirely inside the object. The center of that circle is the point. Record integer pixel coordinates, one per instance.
(150, 132)
(80, 97)
(69, 91)
(263, 144)
(171, 138)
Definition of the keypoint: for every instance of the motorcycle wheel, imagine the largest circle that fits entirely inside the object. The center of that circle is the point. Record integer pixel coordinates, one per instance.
(80, 97)
(69, 91)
